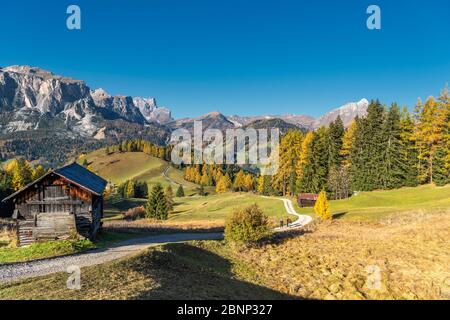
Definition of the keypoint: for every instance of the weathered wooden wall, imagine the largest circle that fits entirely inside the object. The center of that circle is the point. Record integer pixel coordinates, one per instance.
(55, 209)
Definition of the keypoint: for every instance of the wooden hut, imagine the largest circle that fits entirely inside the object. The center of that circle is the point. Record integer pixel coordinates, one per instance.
(64, 203)
(305, 200)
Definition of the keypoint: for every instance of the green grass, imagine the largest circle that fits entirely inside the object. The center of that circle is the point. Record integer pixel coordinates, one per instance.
(44, 250)
(120, 167)
(380, 204)
(219, 206)
(215, 207)
(114, 206)
(59, 248)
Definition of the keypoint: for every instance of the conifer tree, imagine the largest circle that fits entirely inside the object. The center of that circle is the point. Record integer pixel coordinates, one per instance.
(394, 168)
(429, 137)
(222, 186)
(335, 137)
(227, 180)
(367, 152)
(289, 150)
(18, 181)
(180, 191)
(408, 151)
(6, 185)
(442, 165)
(238, 184)
(169, 199)
(38, 172)
(248, 183)
(129, 191)
(261, 185)
(204, 181)
(11, 166)
(26, 171)
(315, 172)
(320, 160)
(348, 141)
(322, 207)
(304, 161)
(157, 207)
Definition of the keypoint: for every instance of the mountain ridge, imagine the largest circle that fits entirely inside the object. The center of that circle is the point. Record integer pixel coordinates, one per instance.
(41, 111)
(36, 95)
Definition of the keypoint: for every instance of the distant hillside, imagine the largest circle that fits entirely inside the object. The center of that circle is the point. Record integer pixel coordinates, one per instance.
(273, 124)
(120, 167)
(212, 120)
(301, 121)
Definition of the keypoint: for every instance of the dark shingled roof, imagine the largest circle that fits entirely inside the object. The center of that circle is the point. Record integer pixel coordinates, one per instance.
(308, 196)
(83, 177)
(75, 174)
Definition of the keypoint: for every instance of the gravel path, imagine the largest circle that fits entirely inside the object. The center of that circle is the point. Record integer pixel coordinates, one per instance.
(11, 272)
(302, 220)
(166, 176)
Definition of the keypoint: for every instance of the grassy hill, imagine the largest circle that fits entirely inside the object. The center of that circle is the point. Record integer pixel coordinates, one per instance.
(379, 204)
(120, 167)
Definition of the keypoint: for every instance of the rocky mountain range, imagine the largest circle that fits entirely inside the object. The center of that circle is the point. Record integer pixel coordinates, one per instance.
(37, 104)
(30, 97)
(347, 113)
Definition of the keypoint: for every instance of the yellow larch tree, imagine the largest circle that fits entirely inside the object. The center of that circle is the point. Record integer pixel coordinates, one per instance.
(322, 207)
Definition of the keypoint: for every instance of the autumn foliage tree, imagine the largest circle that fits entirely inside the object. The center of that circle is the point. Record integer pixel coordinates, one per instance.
(322, 207)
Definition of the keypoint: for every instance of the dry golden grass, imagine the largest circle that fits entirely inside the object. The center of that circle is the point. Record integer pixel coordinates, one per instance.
(326, 261)
(174, 271)
(7, 234)
(332, 262)
(149, 226)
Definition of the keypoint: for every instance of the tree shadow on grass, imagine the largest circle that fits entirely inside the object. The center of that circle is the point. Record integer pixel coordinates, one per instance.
(187, 272)
(339, 215)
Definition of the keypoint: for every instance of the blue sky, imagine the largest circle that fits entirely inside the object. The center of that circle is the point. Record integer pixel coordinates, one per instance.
(238, 56)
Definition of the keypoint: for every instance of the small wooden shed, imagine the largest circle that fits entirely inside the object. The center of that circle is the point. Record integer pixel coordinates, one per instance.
(306, 200)
(61, 204)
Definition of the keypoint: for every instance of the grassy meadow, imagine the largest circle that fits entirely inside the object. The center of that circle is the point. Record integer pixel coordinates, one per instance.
(210, 210)
(325, 261)
(381, 204)
(218, 206)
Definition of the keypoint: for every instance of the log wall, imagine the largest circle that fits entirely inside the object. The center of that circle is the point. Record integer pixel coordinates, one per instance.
(55, 210)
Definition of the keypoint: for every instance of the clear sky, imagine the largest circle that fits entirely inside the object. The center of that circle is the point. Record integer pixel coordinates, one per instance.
(238, 56)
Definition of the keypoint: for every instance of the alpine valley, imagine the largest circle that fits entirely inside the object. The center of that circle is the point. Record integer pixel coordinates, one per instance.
(51, 118)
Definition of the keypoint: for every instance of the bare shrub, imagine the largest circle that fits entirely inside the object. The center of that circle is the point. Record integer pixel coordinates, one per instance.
(134, 213)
